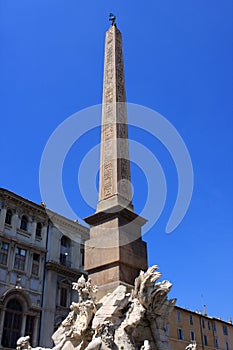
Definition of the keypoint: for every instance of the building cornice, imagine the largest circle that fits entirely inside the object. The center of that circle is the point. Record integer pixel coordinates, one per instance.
(62, 221)
(66, 271)
(22, 243)
(23, 202)
(200, 314)
(41, 210)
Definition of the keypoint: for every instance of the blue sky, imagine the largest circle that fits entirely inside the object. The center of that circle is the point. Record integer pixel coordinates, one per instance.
(178, 61)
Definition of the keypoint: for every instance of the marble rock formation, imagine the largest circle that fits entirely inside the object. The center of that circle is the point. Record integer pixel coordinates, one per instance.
(124, 320)
(121, 319)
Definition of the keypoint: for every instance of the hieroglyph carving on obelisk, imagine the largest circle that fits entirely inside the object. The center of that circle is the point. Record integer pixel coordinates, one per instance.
(115, 165)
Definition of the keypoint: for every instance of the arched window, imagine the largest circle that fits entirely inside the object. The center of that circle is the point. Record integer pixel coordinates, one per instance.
(8, 217)
(12, 324)
(24, 223)
(38, 230)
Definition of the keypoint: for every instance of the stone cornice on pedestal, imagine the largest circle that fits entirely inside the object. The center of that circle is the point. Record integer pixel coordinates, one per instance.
(115, 212)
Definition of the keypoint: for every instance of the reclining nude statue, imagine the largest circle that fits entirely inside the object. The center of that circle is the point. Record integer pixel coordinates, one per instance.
(123, 319)
(24, 344)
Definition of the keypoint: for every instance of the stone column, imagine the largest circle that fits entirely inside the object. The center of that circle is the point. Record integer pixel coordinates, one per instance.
(28, 266)
(2, 218)
(15, 221)
(41, 270)
(33, 228)
(2, 317)
(49, 309)
(35, 332)
(11, 256)
(29, 227)
(23, 325)
(44, 234)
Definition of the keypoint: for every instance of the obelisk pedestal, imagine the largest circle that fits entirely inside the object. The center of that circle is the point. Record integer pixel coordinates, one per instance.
(115, 253)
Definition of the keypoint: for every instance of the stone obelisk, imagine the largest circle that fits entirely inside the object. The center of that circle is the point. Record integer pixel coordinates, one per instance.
(115, 253)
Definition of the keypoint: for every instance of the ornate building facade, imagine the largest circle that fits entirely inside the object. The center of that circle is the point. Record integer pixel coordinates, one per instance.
(40, 256)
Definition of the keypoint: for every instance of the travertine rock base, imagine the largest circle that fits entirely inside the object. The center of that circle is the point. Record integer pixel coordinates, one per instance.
(121, 319)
